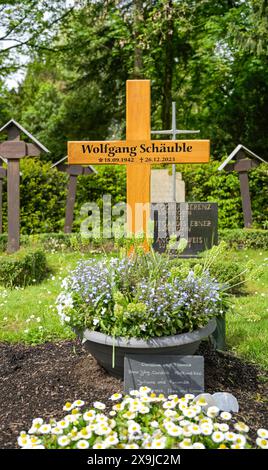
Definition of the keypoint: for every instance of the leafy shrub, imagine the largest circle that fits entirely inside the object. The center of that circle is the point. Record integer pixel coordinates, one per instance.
(23, 268)
(245, 238)
(227, 273)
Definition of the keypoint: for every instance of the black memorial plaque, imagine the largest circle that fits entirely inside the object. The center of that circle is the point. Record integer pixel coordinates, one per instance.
(164, 374)
(202, 222)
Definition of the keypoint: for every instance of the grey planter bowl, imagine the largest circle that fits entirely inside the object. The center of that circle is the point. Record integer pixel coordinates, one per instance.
(101, 346)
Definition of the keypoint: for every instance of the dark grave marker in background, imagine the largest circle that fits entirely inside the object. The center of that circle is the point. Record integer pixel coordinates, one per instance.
(202, 225)
(166, 374)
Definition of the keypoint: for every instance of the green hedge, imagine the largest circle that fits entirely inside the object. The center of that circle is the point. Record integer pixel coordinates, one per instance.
(43, 193)
(23, 268)
(246, 238)
(236, 238)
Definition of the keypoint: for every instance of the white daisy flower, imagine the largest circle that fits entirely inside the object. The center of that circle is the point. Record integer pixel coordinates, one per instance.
(63, 424)
(116, 396)
(206, 429)
(68, 406)
(57, 431)
(186, 431)
(206, 421)
(217, 436)
(194, 429)
(223, 427)
(82, 444)
(240, 439)
(85, 433)
(130, 415)
(159, 443)
(45, 429)
(212, 411)
(198, 445)
(189, 413)
(189, 396)
(186, 444)
(111, 440)
(89, 415)
(262, 443)
(145, 390)
(23, 441)
(144, 410)
(63, 441)
(241, 427)
(230, 436)
(236, 446)
(37, 421)
(99, 405)
(170, 413)
(120, 407)
(133, 427)
(102, 430)
(78, 403)
(99, 445)
(175, 430)
(262, 433)
(169, 405)
(226, 416)
(132, 446)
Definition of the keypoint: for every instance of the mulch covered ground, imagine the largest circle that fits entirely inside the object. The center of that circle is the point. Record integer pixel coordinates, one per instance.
(37, 381)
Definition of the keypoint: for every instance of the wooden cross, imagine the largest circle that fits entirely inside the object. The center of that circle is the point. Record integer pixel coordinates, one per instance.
(138, 152)
(3, 174)
(243, 160)
(13, 150)
(73, 171)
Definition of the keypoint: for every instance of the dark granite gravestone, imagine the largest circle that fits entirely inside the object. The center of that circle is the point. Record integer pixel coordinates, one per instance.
(166, 374)
(202, 223)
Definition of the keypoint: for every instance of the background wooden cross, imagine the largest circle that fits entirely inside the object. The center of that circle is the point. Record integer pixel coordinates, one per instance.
(242, 160)
(138, 133)
(13, 149)
(73, 171)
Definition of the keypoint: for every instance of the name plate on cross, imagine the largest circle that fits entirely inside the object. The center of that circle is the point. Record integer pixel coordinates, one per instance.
(139, 152)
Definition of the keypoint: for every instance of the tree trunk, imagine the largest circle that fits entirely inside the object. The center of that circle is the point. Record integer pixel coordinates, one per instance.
(138, 20)
(168, 71)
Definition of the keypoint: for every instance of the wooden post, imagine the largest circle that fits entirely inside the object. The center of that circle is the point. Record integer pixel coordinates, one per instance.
(245, 195)
(70, 203)
(138, 128)
(13, 198)
(1, 200)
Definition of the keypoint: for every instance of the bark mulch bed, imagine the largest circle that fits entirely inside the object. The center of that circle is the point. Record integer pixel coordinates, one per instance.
(37, 381)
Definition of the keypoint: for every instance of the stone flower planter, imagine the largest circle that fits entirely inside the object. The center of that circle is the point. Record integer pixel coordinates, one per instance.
(101, 346)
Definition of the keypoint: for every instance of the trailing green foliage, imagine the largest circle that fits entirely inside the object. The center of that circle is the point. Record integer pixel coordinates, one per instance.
(23, 268)
(228, 273)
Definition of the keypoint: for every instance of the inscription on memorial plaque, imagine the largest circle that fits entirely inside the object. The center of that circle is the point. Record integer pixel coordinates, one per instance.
(166, 374)
(202, 225)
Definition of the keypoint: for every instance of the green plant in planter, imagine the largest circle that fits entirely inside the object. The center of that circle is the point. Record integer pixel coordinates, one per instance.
(141, 296)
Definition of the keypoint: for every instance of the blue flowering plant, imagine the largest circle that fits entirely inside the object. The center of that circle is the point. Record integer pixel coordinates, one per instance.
(141, 296)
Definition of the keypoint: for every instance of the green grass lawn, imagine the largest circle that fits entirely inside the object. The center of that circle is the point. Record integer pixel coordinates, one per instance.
(29, 314)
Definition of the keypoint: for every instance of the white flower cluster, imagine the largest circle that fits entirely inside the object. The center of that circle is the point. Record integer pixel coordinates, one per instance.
(64, 304)
(142, 420)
